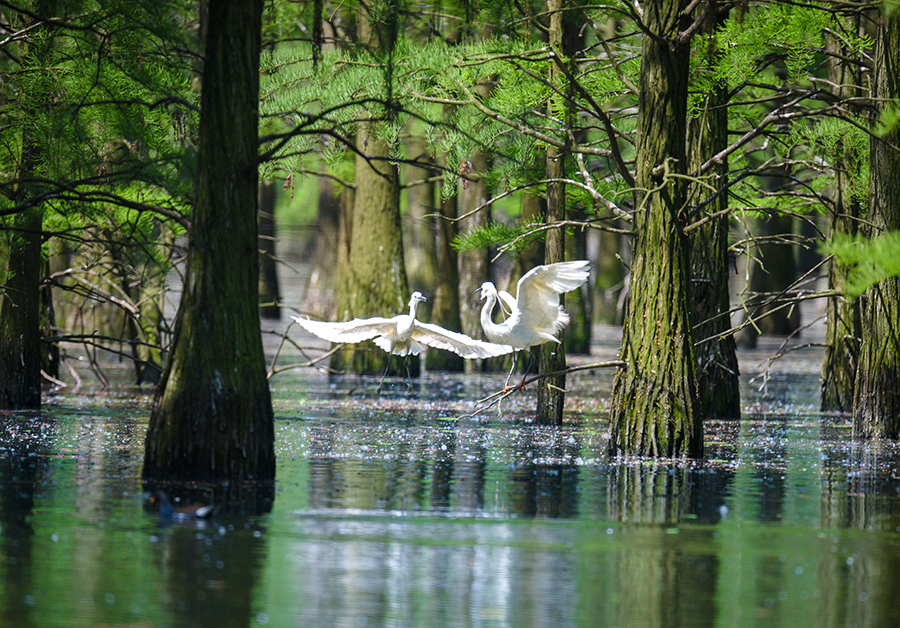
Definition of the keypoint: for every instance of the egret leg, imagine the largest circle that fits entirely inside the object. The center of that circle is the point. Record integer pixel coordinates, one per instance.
(527, 370)
(408, 376)
(511, 370)
(383, 375)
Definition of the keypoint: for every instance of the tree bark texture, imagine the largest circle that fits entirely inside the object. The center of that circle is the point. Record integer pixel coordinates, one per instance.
(717, 365)
(876, 405)
(212, 418)
(551, 392)
(20, 309)
(843, 326)
(655, 409)
(20, 333)
(374, 280)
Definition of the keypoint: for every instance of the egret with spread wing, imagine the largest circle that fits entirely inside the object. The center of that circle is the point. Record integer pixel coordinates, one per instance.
(536, 315)
(403, 335)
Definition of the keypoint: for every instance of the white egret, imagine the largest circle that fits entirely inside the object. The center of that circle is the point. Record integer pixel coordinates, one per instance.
(403, 335)
(535, 314)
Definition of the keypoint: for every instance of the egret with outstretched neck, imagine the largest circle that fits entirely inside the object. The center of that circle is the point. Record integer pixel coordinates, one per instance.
(535, 314)
(403, 335)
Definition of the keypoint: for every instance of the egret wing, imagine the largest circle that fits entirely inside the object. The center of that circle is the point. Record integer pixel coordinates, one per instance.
(537, 294)
(357, 330)
(461, 344)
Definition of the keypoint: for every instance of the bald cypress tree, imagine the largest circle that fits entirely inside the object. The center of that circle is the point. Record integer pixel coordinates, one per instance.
(876, 404)
(212, 418)
(655, 410)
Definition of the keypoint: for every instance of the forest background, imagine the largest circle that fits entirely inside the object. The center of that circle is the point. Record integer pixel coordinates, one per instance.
(433, 141)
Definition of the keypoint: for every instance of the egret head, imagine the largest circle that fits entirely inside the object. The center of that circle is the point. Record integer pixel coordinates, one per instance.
(486, 289)
(416, 297)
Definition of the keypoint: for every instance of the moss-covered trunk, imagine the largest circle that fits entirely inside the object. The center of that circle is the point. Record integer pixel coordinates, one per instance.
(212, 417)
(655, 410)
(876, 405)
(374, 281)
(843, 327)
(714, 350)
(551, 393)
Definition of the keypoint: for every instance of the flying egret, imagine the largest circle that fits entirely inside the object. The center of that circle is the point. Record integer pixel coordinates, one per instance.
(535, 314)
(403, 335)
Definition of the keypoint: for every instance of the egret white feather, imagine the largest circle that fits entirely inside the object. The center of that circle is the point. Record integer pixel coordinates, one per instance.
(403, 335)
(536, 315)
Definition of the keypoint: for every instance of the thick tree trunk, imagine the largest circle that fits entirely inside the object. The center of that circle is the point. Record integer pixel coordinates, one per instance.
(374, 281)
(843, 328)
(655, 410)
(717, 364)
(212, 418)
(20, 310)
(20, 332)
(876, 405)
(551, 392)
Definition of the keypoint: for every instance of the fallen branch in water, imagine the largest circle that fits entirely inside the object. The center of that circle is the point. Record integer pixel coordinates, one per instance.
(500, 395)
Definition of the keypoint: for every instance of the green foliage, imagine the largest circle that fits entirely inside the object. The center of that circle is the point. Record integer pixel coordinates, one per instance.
(872, 261)
(519, 237)
(836, 142)
(770, 37)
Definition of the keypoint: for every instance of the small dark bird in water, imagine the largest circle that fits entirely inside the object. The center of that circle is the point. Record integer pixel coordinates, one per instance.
(181, 513)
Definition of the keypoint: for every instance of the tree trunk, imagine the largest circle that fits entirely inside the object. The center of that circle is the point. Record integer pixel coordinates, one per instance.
(772, 271)
(376, 274)
(551, 395)
(418, 237)
(20, 331)
(374, 281)
(269, 294)
(717, 364)
(876, 405)
(318, 300)
(445, 304)
(551, 392)
(655, 410)
(474, 265)
(610, 278)
(843, 327)
(212, 418)
(20, 310)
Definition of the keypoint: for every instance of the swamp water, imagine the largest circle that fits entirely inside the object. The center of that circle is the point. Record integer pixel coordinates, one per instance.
(389, 513)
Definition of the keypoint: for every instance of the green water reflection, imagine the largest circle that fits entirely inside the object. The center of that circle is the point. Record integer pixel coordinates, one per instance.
(387, 515)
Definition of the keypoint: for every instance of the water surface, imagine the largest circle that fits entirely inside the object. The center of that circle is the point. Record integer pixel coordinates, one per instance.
(389, 513)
